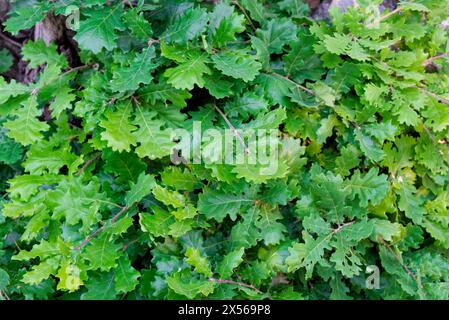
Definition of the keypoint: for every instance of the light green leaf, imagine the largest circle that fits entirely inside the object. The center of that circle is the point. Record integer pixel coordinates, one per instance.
(237, 64)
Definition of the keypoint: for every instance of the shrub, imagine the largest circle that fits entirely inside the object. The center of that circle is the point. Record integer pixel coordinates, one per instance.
(95, 207)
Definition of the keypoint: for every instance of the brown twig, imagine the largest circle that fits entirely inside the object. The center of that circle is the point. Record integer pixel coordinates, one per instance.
(440, 99)
(4, 295)
(93, 234)
(378, 20)
(429, 133)
(295, 83)
(74, 69)
(8, 39)
(245, 14)
(340, 227)
(88, 162)
(151, 41)
(404, 266)
(35, 91)
(431, 59)
(234, 131)
(127, 245)
(136, 101)
(235, 282)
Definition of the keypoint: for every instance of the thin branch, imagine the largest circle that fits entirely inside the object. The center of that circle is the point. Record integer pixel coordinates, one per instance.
(88, 162)
(295, 83)
(35, 91)
(127, 245)
(340, 227)
(4, 295)
(151, 41)
(74, 69)
(234, 131)
(378, 20)
(439, 98)
(431, 59)
(431, 136)
(133, 98)
(237, 283)
(245, 13)
(8, 39)
(410, 273)
(93, 234)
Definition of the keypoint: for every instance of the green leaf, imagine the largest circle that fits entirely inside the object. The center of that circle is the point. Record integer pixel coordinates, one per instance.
(42, 158)
(371, 187)
(168, 197)
(217, 205)
(225, 23)
(277, 33)
(369, 147)
(102, 254)
(187, 26)
(154, 142)
(386, 229)
(182, 283)
(25, 186)
(69, 277)
(200, 263)
(307, 254)
(6, 61)
(26, 128)
(126, 277)
(145, 183)
(301, 62)
(164, 92)
(137, 24)
(237, 64)
(4, 279)
(179, 179)
(118, 128)
(189, 73)
(45, 269)
(230, 262)
(26, 17)
(256, 9)
(338, 43)
(11, 89)
(126, 166)
(101, 286)
(42, 250)
(77, 202)
(271, 230)
(38, 53)
(382, 131)
(98, 30)
(138, 72)
(158, 224)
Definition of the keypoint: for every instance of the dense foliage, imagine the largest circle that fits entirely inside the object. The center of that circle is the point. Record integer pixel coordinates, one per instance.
(94, 207)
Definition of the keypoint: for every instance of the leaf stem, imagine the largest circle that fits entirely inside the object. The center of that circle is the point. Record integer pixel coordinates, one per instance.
(386, 16)
(8, 39)
(245, 13)
(439, 98)
(234, 131)
(235, 282)
(404, 266)
(340, 227)
(93, 234)
(74, 69)
(431, 59)
(88, 162)
(4, 295)
(295, 83)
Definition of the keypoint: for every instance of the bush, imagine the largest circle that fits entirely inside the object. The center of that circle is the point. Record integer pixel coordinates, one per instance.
(352, 204)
